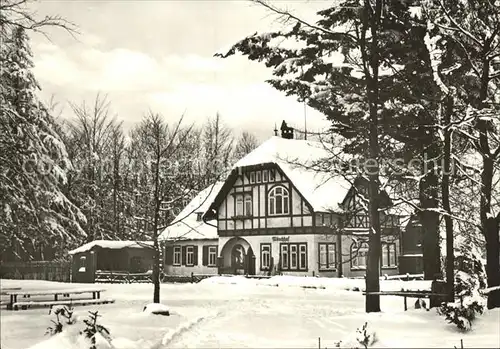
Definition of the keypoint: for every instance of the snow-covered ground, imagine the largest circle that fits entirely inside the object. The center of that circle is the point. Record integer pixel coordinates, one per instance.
(234, 312)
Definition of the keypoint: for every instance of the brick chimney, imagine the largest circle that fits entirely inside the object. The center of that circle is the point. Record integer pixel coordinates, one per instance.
(286, 131)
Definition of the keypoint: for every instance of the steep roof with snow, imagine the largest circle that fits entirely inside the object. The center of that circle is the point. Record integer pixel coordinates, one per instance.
(114, 245)
(186, 225)
(302, 162)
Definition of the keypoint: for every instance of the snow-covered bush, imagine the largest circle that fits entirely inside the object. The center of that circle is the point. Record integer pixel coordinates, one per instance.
(362, 339)
(95, 332)
(469, 280)
(93, 336)
(64, 316)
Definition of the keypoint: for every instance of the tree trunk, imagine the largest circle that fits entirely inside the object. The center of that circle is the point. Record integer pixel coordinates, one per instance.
(490, 226)
(374, 246)
(488, 221)
(429, 218)
(445, 192)
(156, 255)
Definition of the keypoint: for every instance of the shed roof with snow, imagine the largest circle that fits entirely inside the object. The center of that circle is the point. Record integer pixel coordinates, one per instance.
(111, 244)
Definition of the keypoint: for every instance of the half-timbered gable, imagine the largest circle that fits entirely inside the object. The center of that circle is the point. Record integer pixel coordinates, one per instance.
(260, 200)
(357, 217)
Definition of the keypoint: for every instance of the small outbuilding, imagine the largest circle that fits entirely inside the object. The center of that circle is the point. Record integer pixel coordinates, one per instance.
(106, 256)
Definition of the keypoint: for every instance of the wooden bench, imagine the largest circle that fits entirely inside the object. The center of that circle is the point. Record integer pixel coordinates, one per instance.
(5, 290)
(65, 294)
(407, 294)
(26, 305)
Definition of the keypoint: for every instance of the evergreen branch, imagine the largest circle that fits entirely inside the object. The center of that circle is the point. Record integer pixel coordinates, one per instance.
(289, 15)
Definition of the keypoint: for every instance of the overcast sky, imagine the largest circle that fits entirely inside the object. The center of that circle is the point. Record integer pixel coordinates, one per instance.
(158, 55)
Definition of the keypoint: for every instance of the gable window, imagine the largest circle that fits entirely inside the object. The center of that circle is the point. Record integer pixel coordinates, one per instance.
(271, 176)
(248, 205)
(239, 205)
(189, 255)
(278, 201)
(265, 256)
(212, 256)
(199, 216)
(177, 255)
(252, 177)
(327, 256)
(359, 254)
(259, 177)
(293, 256)
(265, 176)
(389, 255)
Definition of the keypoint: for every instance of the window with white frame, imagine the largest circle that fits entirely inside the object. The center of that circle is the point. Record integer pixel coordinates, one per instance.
(177, 255)
(265, 176)
(212, 256)
(265, 256)
(239, 205)
(279, 201)
(359, 255)
(302, 257)
(259, 176)
(389, 255)
(189, 255)
(284, 257)
(293, 256)
(252, 177)
(327, 256)
(248, 205)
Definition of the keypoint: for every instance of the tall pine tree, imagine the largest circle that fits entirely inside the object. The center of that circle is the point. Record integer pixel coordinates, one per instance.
(36, 214)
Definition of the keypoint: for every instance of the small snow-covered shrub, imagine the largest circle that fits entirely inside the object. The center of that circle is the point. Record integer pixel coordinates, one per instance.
(362, 339)
(95, 332)
(64, 316)
(469, 280)
(93, 335)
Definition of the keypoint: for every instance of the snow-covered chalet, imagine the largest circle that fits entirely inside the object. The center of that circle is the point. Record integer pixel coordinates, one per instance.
(277, 214)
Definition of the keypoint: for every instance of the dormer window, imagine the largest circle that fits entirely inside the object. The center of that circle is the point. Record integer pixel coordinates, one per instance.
(279, 201)
(199, 216)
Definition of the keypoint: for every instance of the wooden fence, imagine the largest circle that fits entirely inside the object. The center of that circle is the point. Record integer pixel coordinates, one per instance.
(193, 278)
(37, 270)
(121, 277)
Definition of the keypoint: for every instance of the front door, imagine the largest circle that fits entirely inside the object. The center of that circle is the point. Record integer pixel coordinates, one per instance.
(238, 258)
